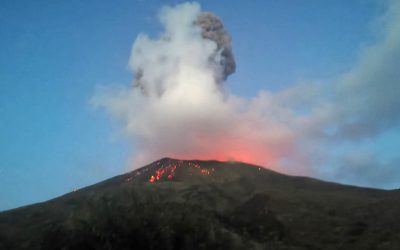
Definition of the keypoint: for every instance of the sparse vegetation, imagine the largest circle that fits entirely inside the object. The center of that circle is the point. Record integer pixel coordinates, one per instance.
(236, 207)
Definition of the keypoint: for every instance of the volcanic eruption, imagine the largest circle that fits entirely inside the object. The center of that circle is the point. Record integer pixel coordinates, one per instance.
(178, 105)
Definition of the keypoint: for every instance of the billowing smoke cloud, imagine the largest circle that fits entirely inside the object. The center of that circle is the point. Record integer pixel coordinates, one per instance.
(179, 108)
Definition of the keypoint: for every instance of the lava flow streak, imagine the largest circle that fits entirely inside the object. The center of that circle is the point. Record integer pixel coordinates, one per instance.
(169, 170)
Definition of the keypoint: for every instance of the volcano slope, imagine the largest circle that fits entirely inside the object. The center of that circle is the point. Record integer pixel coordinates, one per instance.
(173, 204)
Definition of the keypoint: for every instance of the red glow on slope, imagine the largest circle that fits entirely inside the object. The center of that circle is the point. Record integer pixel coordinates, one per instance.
(250, 145)
(233, 149)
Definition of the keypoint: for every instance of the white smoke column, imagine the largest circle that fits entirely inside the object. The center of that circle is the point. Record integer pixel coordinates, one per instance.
(180, 109)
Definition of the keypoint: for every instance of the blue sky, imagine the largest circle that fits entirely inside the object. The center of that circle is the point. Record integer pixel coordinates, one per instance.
(55, 53)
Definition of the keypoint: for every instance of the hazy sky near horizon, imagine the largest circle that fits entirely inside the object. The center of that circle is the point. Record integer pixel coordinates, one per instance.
(56, 53)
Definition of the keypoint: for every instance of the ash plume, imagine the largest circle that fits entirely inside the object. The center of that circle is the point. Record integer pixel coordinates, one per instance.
(177, 108)
(213, 29)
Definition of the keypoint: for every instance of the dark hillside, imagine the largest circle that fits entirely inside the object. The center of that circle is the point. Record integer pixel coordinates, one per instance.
(173, 204)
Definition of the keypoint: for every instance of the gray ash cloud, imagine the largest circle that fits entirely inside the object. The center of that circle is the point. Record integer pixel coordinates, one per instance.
(213, 29)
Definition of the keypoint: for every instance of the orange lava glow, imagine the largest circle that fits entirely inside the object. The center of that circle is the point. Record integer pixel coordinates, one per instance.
(261, 155)
(248, 142)
(254, 148)
(258, 156)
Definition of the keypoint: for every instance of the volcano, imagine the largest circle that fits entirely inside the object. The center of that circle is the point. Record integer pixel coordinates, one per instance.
(175, 204)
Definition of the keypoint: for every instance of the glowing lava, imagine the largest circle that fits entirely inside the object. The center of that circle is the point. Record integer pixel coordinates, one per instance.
(169, 170)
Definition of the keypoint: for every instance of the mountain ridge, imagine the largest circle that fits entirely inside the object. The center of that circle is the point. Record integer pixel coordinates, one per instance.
(186, 204)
